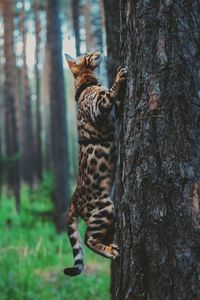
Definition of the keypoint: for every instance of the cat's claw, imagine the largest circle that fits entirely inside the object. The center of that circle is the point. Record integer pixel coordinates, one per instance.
(115, 246)
(119, 68)
(115, 251)
(121, 74)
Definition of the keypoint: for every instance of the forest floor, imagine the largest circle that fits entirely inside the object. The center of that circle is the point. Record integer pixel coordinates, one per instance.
(33, 256)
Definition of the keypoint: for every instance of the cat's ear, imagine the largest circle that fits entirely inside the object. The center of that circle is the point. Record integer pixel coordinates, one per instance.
(69, 58)
(71, 61)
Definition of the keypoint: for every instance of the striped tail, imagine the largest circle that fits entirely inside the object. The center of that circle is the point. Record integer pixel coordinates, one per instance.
(72, 229)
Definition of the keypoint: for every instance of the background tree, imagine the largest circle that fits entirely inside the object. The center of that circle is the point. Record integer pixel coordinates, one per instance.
(158, 214)
(75, 7)
(46, 112)
(28, 157)
(38, 131)
(12, 145)
(58, 112)
(2, 113)
(94, 31)
(95, 19)
(112, 21)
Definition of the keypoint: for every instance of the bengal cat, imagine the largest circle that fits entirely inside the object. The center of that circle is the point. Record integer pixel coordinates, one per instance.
(91, 200)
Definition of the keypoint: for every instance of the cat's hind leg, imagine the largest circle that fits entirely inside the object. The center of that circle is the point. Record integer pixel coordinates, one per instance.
(100, 233)
(109, 251)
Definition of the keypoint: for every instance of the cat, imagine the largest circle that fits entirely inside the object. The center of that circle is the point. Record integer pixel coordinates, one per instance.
(91, 200)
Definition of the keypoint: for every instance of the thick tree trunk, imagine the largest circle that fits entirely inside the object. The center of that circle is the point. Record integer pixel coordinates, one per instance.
(28, 157)
(58, 112)
(38, 141)
(112, 17)
(159, 209)
(12, 145)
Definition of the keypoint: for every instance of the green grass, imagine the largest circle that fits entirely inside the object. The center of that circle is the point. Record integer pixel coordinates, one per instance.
(33, 256)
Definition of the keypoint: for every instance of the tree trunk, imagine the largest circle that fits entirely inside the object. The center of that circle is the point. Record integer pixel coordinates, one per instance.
(28, 158)
(159, 209)
(12, 145)
(94, 32)
(2, 106)
(88, 27)
(112, 17)
(96, 22)
(46, 112)
(73, 134)
(58, 112)
(38, 141)
(75, 5)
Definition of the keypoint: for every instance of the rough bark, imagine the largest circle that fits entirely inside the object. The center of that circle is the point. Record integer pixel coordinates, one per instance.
(159, 209)
(28, 157)
(58, 112)
(112, 17)
(12, 145)
(38, 132)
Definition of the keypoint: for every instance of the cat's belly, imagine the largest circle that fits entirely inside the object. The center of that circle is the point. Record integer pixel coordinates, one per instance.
(96, 170)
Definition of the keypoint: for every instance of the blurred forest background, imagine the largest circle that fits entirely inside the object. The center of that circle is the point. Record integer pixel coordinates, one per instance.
(38, 142)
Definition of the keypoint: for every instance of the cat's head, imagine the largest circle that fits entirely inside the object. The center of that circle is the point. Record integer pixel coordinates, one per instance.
(84, 64)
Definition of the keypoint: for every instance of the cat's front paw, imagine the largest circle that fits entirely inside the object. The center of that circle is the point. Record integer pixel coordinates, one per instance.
(121, 74)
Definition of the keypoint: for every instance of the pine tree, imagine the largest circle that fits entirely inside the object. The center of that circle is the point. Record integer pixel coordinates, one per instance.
(159, 208)
(38, 131)
(58, 112)
(28, 157)
(11, 134)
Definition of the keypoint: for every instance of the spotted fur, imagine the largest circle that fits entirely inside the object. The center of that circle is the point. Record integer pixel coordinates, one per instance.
(91, 200)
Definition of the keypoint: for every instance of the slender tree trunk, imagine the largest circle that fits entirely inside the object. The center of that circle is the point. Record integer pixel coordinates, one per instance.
(73, 134)
(94, 32)
(58, 112)
(96, 22)
(159, 209)
(1, 148)
(2, 106)
(46, 113)
(28, 159)
(112, 17)
(75, 5)
(12, 146)
(38, 146)
(88, 27)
